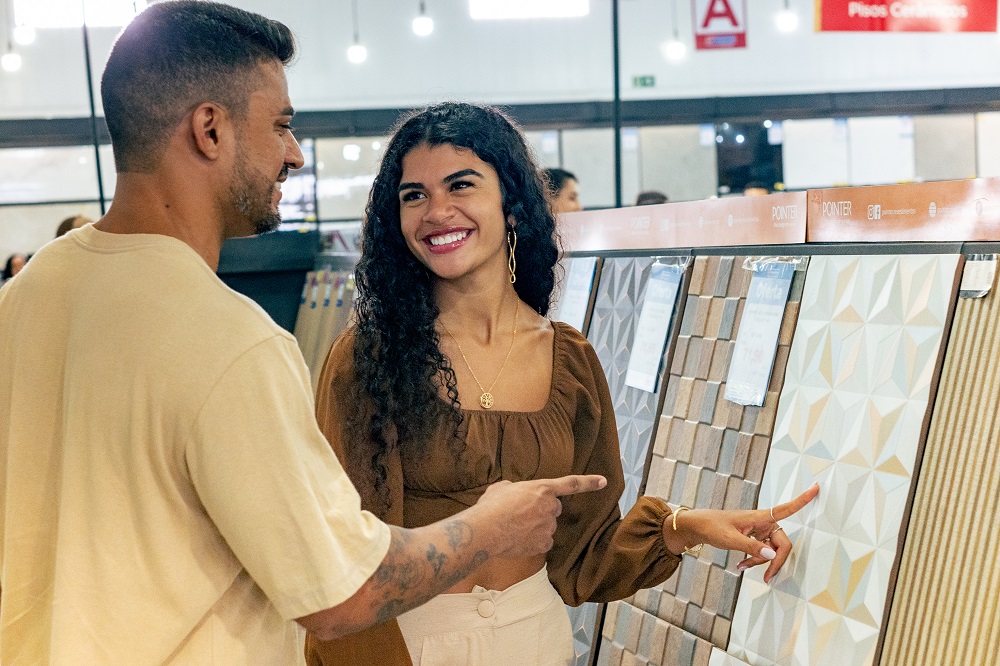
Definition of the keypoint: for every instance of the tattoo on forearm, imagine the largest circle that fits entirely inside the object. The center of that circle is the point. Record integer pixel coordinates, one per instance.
(402, 582)
(436, 558)
(458, 533)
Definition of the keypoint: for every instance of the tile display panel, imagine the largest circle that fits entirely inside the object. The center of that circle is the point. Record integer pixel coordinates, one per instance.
(857, 386)
(946, 607)
(583, 622)
(720, 658)
(632, 636)
(710, 452)
(612, 327)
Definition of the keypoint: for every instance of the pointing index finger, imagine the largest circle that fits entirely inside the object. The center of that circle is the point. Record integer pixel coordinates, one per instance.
(782, 511)
(576, 483)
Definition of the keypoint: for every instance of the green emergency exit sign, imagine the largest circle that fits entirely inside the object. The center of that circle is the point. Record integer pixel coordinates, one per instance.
(647, 81)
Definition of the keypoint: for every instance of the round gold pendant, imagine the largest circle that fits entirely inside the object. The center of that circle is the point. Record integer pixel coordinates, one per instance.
(486, 400)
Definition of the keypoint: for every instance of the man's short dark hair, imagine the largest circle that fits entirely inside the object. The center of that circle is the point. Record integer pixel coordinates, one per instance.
(555, 178)
(650, 198)
(174, 56)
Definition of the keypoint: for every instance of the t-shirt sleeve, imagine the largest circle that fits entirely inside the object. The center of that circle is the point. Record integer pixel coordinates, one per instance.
(272, 486)
(598, 554)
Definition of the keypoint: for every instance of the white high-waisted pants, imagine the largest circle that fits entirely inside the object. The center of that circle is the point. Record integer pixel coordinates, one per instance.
(524, 625)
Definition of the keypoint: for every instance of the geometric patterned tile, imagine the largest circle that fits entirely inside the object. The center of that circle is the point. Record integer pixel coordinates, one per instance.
(583, 620)
(720, 658)
(612, 329)
(617, 305)
(945, 606)
(855, 396)
(709, 452)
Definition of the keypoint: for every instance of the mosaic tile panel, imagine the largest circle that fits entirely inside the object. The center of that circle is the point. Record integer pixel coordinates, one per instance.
(709, 452)
(612, 328)
(857, 385)
(946, 607)
(631, 637)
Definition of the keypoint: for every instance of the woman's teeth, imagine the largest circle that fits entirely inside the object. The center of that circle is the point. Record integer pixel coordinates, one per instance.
(448, 238)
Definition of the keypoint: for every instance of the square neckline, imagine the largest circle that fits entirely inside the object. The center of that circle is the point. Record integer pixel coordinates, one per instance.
(549, 401)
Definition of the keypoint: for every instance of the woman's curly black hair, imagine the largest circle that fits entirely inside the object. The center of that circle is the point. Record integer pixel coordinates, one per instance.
(399, 368)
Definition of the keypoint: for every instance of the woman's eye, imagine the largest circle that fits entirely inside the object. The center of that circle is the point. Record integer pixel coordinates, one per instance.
(460, 185)
(410, 195)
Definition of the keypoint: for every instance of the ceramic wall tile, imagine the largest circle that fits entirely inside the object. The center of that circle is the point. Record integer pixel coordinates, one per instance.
(612, 328)
(856, 391)
(631, 636)
(946, 607)
(720, 658)
(709, 452)
(583, 621)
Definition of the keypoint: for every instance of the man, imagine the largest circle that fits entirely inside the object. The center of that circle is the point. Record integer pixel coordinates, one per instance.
(564, 196)
(166, 494)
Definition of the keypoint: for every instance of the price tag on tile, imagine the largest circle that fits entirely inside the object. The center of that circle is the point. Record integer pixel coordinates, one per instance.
(978, 275)
(576, 295)
(654, 324)
(757, 340)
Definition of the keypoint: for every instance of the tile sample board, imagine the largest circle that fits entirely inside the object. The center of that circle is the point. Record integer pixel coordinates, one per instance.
(946, 608)
(851, 415)
(720, 658)
(709, 452)
(612, 328)
(631, 636)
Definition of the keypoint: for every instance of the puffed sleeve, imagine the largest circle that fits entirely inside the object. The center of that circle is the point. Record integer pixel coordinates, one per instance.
(598, 554)
(335, 401)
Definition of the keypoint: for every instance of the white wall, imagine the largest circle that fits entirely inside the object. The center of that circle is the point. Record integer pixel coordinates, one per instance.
(539, 61)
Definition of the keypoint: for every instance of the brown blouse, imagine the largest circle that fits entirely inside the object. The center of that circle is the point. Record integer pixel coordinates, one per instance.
(598, 554)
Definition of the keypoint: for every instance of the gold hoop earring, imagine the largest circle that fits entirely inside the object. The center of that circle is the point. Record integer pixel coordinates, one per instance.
(511, 261)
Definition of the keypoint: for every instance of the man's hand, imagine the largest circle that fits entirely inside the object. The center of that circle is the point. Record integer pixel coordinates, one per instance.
(525, 512)
(510, 519)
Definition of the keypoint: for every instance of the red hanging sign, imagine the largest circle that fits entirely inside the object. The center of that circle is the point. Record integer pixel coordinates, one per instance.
(906, 15)
(719, 24)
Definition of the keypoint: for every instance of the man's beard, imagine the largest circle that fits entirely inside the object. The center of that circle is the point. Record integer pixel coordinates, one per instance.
(251, 193)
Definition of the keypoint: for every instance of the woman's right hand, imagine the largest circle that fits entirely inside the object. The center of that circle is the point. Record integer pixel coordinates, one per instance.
(755, 532)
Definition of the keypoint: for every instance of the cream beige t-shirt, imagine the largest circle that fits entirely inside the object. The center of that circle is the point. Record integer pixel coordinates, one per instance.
(165, 493)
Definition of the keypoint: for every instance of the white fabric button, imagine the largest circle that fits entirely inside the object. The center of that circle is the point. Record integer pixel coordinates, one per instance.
(486, 608)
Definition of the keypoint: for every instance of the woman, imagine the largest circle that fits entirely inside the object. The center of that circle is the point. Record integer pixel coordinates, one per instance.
(15, 263)
(453, 379)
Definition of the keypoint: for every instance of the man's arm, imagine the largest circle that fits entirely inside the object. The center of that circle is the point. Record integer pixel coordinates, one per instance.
(511, 519)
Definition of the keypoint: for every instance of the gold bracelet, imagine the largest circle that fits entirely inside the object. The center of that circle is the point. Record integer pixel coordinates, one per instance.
(696, 551)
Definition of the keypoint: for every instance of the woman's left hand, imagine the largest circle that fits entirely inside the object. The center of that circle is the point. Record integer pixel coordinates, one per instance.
(754, 532)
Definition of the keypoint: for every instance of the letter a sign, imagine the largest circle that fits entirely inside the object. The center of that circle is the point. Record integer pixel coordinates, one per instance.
(719, 24)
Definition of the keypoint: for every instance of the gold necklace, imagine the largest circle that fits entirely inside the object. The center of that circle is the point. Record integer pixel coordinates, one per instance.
(486, 399)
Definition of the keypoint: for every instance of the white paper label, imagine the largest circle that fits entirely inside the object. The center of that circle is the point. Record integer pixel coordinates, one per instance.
(977, 278)
(654, 324)
(753, 356)
(576, 294)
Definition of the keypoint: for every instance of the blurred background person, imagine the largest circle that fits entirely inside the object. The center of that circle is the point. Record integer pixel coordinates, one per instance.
(650, 198)
(755, 189)
(72, 222)
(15, 263)
(564, 197)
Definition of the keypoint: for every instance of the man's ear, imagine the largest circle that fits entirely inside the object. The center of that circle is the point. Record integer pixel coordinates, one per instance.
(209, 126)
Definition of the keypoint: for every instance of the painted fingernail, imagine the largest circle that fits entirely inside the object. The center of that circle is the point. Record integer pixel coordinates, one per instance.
(742, 566)
(767, 553)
